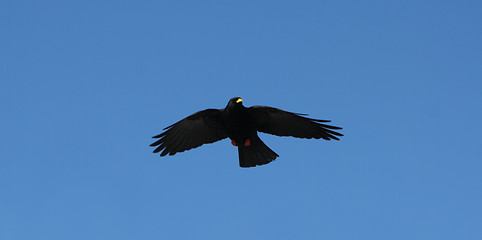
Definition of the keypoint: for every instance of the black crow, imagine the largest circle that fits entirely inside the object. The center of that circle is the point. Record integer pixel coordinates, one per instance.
(241, 125)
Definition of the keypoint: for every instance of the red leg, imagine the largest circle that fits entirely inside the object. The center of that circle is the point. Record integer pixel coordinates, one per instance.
(234, 143)
(247, 143)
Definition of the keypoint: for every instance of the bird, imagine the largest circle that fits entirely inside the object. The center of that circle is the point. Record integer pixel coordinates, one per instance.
(241, 124)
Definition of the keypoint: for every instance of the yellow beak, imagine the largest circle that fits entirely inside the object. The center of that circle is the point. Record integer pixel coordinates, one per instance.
(239, 100)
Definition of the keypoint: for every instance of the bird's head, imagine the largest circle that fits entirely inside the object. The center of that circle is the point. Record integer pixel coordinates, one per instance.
(234, 102)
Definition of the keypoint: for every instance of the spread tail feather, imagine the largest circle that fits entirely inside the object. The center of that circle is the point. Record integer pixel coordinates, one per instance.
(257, 153)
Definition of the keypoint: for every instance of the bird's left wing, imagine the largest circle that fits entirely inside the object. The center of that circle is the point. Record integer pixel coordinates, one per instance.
(193, 131)
(282, 123)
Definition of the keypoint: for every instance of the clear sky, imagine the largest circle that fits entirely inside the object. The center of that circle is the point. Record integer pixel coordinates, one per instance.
(85, 84)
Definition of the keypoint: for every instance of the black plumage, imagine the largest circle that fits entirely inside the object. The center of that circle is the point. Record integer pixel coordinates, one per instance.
(241, 125)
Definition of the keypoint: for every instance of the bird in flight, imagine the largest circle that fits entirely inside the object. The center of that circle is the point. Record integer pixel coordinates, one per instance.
(241, 125)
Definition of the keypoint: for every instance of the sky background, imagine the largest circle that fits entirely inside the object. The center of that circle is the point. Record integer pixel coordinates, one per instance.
(85, 84)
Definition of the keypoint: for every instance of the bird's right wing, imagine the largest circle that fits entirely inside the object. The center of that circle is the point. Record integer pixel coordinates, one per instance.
(282, 123)
(193, 131)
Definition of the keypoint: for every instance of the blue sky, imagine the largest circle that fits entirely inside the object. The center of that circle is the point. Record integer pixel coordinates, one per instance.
(85, 84)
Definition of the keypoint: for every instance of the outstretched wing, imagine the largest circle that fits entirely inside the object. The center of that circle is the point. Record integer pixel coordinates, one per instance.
(282, 123)
(193, 131)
